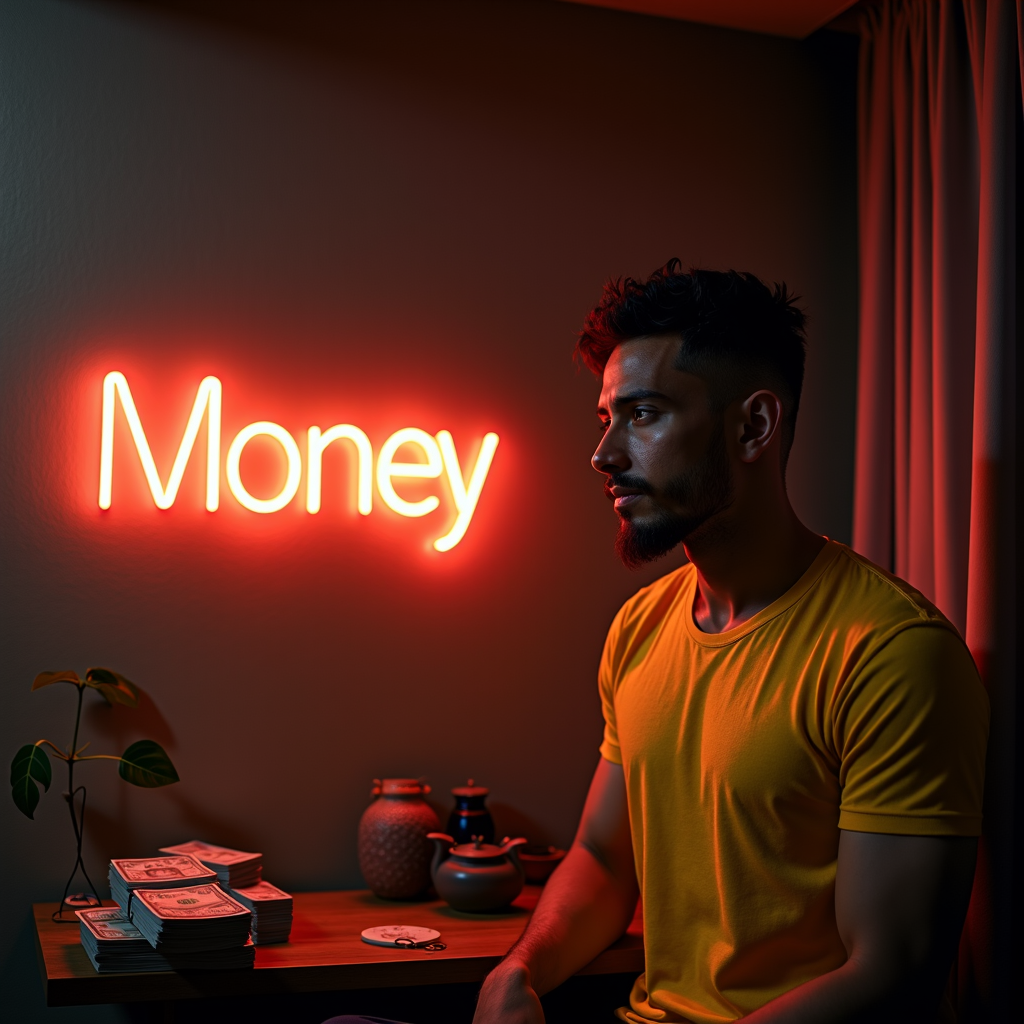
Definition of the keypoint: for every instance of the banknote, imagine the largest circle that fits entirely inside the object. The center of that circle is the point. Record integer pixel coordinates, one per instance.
(212, 855)
(191, 920)
(109, 924)
(261, 891)
(271, 911)
(153, 871)
(189, 903)
(236, 867)
(115, 944)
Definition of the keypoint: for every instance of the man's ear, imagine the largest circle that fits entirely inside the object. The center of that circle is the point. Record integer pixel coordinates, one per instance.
(760, 424)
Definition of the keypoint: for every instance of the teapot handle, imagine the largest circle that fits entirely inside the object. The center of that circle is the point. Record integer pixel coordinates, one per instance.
(443, 844)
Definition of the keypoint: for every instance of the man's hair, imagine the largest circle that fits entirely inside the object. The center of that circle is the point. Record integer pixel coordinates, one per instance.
(735, 332)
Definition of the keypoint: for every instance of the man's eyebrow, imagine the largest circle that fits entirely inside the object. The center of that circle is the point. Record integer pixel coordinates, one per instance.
(631, 397)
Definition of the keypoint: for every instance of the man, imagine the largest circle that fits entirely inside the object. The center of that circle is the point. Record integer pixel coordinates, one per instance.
(793, 755)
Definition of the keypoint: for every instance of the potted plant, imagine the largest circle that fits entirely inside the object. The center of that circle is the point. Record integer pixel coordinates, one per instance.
(144, 763)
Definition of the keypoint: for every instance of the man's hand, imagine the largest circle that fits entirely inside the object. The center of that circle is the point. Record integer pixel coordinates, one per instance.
(586, 905)
(508, 998)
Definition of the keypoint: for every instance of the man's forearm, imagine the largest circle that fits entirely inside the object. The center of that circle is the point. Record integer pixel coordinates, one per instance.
(583, 910)
(853, 994)
(587, 904)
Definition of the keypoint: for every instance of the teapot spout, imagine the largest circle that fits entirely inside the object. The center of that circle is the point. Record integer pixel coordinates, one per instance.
(442, 847)
(510, 847)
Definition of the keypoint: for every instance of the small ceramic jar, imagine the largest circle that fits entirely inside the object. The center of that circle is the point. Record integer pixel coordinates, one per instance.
(470, 817)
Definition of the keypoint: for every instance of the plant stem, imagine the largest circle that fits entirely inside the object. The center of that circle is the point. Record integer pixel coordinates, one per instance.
(77, 820)
(78, 721)
(71, 768)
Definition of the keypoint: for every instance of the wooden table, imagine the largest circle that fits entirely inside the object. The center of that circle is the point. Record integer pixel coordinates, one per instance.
(324, 953)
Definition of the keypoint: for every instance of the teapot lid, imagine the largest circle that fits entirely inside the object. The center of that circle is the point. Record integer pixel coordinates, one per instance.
(479, 850)
(469, 789)
(399, 787)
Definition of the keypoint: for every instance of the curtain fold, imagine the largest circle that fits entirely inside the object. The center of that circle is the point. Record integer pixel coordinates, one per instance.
(935, 469)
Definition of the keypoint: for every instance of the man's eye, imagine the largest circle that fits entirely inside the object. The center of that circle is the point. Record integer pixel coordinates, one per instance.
(640, 414)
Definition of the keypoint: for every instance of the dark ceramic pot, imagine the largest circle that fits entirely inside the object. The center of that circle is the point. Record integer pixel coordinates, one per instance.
(394, 852)
(470, 817)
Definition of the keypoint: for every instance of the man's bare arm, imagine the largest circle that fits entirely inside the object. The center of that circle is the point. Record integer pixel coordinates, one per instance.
(900, 907)
(586, 905)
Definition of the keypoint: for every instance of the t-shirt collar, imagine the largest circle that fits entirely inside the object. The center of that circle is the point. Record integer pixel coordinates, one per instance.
(824, 558)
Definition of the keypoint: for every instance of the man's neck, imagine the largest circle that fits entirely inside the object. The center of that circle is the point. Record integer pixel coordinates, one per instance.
(747, 561)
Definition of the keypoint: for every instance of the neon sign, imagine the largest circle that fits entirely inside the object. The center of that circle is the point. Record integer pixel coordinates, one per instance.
(440, 458)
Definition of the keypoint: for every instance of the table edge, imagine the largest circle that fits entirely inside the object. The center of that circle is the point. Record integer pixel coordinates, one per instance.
(624, 956)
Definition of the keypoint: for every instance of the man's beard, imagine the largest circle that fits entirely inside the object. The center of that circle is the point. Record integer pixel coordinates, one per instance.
(705, 490)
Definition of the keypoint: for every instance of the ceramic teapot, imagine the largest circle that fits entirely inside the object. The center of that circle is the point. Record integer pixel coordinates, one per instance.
(476, 876)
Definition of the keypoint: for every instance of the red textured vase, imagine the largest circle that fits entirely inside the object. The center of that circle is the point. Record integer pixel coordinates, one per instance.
(394, 852)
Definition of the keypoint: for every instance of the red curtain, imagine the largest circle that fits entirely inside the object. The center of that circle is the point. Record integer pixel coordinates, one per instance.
(936, 411)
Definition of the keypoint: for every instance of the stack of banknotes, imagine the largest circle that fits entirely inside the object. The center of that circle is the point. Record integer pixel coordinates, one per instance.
(196, 925)
(271, 911)
(177, 912)
(182, 913)
(234, 868)
(113, 943)
(127, 875)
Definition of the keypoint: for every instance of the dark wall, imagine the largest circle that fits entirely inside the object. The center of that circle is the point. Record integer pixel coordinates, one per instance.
(389, 216)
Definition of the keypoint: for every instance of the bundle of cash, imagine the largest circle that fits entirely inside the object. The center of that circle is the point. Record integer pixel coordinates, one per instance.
(113, 943)
(271, 911)
(154, 873)
(182, 923)
(235, 868)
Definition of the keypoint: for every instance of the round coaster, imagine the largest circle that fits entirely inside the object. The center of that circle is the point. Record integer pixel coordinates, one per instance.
(406, 935)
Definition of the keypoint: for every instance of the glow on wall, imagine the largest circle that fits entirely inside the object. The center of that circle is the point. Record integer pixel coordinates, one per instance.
(440, 458)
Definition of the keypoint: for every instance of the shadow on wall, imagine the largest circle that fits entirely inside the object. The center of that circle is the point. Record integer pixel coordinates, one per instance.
(511, 821)
(122, 725)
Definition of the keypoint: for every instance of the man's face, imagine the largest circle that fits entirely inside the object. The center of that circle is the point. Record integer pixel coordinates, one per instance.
(662, 451)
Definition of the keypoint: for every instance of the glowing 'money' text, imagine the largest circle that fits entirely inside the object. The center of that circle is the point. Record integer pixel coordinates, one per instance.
(439, 458)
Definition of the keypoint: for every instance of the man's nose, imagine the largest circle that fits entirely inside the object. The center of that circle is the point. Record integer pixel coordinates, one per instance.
(610, 457)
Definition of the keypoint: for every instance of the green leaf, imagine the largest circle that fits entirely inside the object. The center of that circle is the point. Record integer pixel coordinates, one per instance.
(114, 687)
(146, 764)
(48, 678)
(30, 766)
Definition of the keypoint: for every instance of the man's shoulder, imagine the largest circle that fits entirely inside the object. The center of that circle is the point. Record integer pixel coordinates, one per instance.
(653, 602)
(865, 593)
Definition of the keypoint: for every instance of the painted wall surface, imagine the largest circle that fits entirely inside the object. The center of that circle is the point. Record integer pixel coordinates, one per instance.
(391, 217)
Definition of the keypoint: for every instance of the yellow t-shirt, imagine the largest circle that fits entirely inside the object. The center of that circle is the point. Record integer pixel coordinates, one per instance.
(848, 703)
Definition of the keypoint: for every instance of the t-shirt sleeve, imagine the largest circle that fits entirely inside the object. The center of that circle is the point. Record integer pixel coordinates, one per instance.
(606, 677)
(911, 728)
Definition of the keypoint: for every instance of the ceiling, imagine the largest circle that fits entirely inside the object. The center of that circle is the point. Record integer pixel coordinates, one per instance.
(794, 18)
